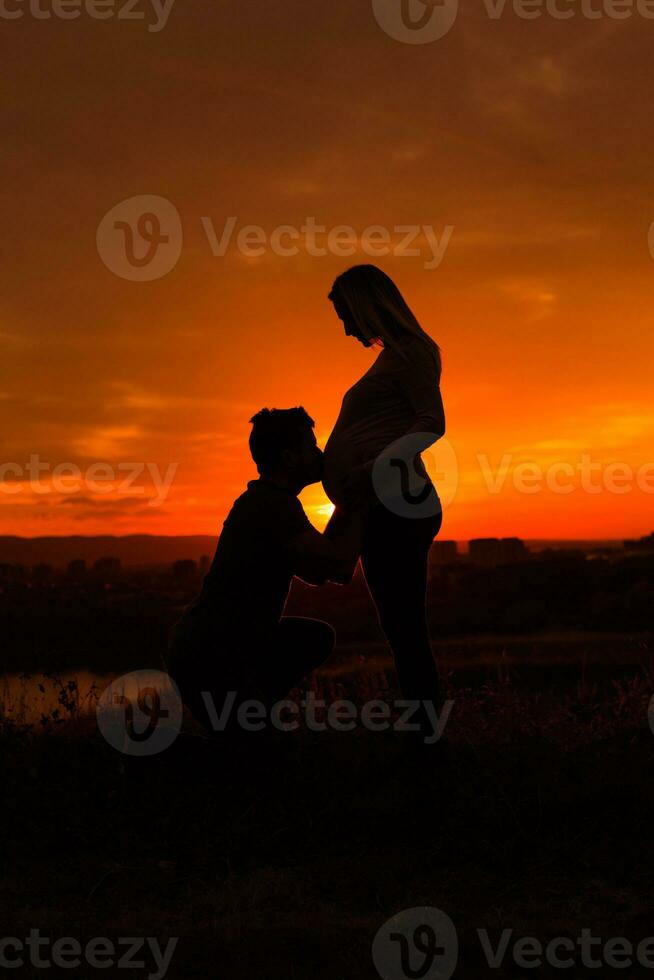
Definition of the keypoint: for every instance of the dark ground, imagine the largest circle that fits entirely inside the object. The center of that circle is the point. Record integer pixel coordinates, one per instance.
(539, 819)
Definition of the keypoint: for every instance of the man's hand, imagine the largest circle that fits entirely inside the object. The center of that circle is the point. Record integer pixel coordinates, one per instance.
(331, 556)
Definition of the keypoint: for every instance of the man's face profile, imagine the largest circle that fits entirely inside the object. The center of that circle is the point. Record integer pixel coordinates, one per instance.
(309, 458)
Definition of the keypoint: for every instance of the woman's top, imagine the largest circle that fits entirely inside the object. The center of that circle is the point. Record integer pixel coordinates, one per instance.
(396, 396)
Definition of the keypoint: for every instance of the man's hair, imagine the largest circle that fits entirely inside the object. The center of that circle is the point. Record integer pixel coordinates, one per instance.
(273, 431)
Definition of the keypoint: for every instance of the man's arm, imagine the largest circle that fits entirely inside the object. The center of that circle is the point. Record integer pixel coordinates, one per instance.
(332, 556)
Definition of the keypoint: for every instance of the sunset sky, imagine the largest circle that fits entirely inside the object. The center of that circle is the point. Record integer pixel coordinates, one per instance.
(532, 139)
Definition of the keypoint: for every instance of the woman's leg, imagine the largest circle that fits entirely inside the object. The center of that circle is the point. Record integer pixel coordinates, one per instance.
(395, 565)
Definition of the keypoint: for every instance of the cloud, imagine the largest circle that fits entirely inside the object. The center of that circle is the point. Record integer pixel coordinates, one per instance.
(122, 503)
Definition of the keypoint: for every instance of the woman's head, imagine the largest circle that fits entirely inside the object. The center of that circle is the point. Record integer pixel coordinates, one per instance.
(373, 310)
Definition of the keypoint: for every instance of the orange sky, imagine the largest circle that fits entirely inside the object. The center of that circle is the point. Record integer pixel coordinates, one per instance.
(533, 139)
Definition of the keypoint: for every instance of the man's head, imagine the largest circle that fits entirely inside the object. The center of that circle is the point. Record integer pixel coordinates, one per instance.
(283, 446)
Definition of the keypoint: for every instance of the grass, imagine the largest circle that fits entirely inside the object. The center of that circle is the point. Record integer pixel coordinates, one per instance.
(538, 820)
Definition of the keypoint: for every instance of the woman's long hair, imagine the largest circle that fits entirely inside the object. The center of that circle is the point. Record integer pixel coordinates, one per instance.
(379, 310)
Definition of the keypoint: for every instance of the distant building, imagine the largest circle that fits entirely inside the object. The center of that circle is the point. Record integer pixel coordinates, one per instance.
(498, 551)
(76, 570)
(13, 573)
(43, 573)
(444, 552)
(641, 544)
(184, 569)
(107, 569)
(565, 554)
(205, 565)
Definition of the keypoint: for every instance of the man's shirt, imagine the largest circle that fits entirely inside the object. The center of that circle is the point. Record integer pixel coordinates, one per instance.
(248, 583)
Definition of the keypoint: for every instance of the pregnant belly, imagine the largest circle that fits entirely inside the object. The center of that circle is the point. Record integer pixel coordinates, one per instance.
(344, 452)
(341, 457)
(348, 448)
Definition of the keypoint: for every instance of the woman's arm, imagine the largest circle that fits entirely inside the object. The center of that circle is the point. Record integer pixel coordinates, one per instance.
(421, 387)
(427, 403)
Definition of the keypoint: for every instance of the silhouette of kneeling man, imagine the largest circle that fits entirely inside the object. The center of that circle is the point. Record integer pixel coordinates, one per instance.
(233, 637)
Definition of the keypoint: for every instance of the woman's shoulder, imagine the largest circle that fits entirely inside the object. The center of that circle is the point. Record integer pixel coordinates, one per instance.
(415, 355)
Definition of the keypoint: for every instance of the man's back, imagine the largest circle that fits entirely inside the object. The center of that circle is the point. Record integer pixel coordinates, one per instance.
(251, 572)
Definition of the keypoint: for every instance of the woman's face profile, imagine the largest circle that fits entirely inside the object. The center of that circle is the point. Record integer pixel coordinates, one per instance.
(349, 325)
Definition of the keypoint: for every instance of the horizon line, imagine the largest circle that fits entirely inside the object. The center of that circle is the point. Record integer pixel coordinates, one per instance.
(119, 537)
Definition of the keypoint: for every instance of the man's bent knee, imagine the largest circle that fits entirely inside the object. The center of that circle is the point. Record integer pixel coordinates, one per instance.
(324, 639)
